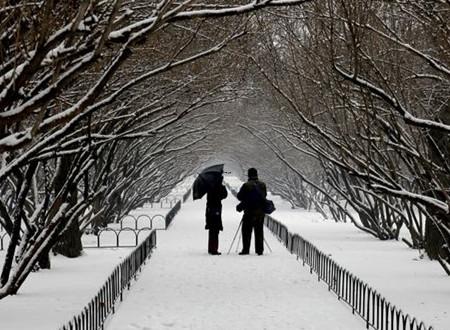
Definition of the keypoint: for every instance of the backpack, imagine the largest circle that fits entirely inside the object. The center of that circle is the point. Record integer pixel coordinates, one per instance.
(256, 200)
(269, 206)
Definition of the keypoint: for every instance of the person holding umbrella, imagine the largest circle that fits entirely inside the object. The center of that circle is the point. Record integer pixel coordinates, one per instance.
(210, 182)
(214, 215)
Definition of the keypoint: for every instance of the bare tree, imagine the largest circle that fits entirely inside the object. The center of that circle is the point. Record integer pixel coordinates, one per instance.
(367, 97)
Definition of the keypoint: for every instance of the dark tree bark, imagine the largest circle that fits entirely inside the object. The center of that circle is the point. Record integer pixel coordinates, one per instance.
(69, 243)
(15, 235)
(436, 237)
(44, 259)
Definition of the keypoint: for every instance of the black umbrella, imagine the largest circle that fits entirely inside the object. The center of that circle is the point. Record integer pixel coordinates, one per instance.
(208, 179)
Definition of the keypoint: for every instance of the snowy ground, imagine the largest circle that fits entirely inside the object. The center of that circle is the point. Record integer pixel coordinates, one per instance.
(185, 288)
(417, 285)
(49, 298)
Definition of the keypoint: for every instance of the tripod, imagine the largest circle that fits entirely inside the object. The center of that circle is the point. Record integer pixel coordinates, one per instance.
(239, 238)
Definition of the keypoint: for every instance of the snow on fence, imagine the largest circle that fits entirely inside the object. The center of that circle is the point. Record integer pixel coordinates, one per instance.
(94, 315)
(365, 301)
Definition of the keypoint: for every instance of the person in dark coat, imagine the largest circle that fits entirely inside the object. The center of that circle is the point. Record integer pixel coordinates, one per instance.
(252, 196)
(214, 215)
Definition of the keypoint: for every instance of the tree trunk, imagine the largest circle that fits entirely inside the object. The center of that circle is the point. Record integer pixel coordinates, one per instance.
(69, 243)
(437, 241)
(44, 259)
(15, 235)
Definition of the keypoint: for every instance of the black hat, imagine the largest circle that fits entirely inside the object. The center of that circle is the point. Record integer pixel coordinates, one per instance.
(252, 173)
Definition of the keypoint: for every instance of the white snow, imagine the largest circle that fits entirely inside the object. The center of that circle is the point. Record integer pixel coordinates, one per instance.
(49, 298)
(15, 139)
(185, 288)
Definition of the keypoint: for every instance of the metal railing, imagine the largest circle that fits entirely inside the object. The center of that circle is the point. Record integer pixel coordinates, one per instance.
(128, 226)
(377, 312)
(95, 313)
(142, 221)
(166, 202)
(118, 241)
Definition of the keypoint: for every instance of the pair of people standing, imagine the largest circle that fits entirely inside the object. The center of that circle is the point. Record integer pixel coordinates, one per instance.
(251, 195)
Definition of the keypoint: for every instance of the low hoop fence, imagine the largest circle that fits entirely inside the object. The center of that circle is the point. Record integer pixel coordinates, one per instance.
(377, 312)
(166, 202)
(128, 233)
(131, 226)
(141, 221)
(94, 315)
(124, 237)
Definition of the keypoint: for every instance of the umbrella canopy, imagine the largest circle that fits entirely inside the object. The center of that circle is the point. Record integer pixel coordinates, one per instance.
(209, 178)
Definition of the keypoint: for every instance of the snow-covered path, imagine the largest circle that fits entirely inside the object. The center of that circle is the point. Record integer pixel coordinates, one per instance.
(182, 287)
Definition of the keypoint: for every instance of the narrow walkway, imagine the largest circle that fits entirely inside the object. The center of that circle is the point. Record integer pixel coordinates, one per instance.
(182, 287)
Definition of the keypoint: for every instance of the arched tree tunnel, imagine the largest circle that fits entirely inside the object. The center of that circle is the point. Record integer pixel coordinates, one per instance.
(343, 106)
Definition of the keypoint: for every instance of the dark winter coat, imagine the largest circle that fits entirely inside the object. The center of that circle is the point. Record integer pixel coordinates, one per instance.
(214, 207)
(252, 196)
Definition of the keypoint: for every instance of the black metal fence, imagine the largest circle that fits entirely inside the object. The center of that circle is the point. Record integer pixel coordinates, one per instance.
(125, 237)
(95, 313)
(141, 221)
(166, 202)
(365, 301)
(131, 230)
